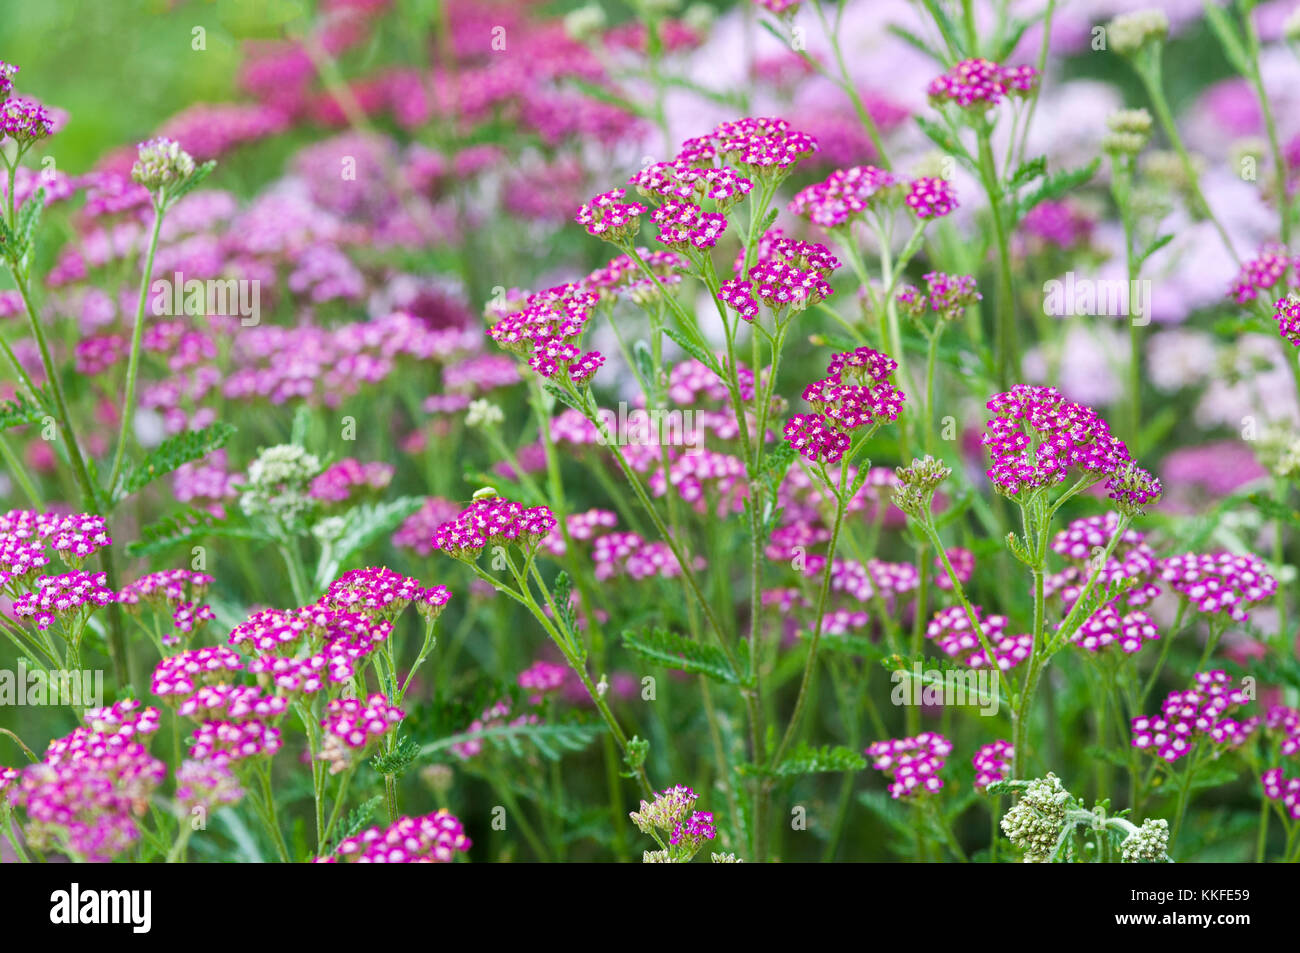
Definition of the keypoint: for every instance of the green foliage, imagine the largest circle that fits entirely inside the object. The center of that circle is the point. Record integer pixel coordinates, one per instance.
(20, 412)
(805, 759)
(394, 764)
(168, 455)
(185, 526)
(550, 740)
(677, 651)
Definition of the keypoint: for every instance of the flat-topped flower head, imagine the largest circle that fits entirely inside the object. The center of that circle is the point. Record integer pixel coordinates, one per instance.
(856, 394)
(609, 218)
(1287, 315)
(1129, 132)
(1034, 822)
(1257, 278)
(547, 330)
(982, 84)
(493, 521)
(992, 763)
(911, 764)
(946, 297)
(205, 785)
(383, 592)
(766, 148)
(25, 121)
(352, 726)
(183, 673)
(1038, 439)
(846, 195)
(930, 197)
(1193, 716)
(1133, 489)
(70, 597)
(433, 839)
(917, 483)
(1219, 583)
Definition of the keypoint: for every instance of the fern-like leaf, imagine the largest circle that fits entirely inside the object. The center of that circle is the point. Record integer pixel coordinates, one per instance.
(677, 651)
(167, 456)
(550, 740)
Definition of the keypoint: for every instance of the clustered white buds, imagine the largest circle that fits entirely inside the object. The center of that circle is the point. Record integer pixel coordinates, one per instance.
(1147, 844)
(1034, 822)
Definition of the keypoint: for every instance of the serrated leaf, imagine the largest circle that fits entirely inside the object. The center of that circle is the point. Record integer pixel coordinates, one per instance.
(20, 412)
(1029, 171)
(941, 136)
(805, 759)
(364, 524)
(192, 183)
(394, 763)
(1056, 185)
(677, 651)
(550, 739)
(563, 396)
(181, 527)
(1154, 247)
(695, 351)
(168, 455)
(357, 818)
(28, 217)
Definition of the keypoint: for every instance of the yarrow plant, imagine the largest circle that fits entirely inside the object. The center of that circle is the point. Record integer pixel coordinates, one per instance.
(453, 446)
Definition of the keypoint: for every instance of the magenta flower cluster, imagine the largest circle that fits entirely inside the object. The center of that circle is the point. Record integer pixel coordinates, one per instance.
(856, 393)
(992, 763)
(1038, 438)
(981, 83)
(1197, 714)
(92, 784)
(911, 764)
(433, 839)
(493, 521)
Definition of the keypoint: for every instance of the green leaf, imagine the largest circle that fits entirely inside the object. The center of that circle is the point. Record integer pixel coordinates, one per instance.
(1056, 185)
(394, 764)
(357, 818)
(301, 424)
(1274, 510)
(677, 651)
(1154, 247)
(563, 396)
(1234, 50)
(941, 136)
(192, 183)
(364, 524)
(20, 412)
(28, 217)
(182, 527)
(550, 739)
(805, 759)
(168, 455)
(914, 41)
(695, 351)
(644, 362)
(1028, 172)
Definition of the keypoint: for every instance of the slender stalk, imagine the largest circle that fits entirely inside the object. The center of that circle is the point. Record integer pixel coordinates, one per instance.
(137, 333)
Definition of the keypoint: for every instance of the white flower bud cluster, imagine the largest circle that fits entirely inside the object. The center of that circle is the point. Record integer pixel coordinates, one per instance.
(1034, 822)
(277, 483)
(1130, 32)
(1147, 844)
